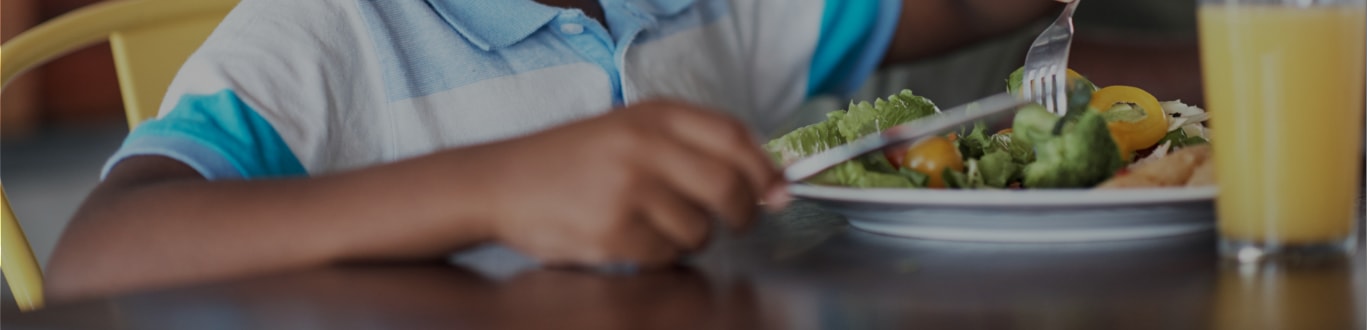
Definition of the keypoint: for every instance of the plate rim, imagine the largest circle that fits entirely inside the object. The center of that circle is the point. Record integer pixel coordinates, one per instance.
(1005, 198)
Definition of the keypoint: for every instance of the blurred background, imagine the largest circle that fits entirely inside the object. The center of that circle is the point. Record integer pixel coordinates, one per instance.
(60, 122)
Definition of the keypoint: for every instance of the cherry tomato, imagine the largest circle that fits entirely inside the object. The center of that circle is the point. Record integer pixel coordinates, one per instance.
(895, 155)
(931, 156)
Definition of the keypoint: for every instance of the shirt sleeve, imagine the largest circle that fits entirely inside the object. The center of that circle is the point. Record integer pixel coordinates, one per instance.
(263, 95)
(218, 135)
(853, 39)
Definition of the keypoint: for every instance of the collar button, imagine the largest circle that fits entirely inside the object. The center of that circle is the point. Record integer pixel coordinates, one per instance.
(571, 28)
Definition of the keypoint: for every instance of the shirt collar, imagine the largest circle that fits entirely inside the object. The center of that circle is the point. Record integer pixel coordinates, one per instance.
(501, 23)
(494, 24)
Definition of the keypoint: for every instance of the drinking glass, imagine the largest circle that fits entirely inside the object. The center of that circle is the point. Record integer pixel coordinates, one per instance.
(1284, 87)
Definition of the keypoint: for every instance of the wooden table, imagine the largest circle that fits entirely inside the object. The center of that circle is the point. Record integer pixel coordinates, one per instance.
(804, 268)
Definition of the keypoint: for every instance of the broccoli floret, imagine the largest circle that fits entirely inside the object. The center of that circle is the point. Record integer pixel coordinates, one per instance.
(864, 118)
(1021, 152)
(1032, 125)
(1081, 156)
(998, 169)
(970, 178)
(997, 159)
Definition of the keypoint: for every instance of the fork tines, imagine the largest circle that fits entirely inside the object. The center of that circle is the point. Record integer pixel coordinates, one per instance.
(1046, 63)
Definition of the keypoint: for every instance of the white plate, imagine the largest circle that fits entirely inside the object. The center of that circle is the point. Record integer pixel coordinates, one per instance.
(1063, 215)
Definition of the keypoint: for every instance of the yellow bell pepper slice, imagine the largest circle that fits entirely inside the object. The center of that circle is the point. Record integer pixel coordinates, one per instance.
(1135, 117)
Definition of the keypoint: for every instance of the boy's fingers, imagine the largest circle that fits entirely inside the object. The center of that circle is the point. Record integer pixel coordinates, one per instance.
(723, 138)
(675, 217)
(636, 245)
(777, 197)
(706, 181)
(641, 244)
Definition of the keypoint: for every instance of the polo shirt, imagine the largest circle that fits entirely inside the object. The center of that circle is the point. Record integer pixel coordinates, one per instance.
(288, 88)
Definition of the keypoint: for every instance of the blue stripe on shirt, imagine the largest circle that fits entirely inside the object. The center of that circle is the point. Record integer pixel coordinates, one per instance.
(854, 37)
(218, 135)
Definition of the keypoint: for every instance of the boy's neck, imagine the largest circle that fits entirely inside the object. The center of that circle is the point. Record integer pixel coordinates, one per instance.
(591, 8)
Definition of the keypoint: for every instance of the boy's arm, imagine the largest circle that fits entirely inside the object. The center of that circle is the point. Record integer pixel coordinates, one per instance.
(636, 185)
(932, 27)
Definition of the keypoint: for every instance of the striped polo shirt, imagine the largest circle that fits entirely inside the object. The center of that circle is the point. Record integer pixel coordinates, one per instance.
(286, 88)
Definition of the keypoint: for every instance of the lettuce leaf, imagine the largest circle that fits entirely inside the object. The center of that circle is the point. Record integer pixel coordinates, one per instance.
(1179, 138)
(807, 140)
(866, 118)
(975, 142)
(857, 174)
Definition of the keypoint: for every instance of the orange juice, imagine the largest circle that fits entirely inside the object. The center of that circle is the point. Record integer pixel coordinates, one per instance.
(1285, 90)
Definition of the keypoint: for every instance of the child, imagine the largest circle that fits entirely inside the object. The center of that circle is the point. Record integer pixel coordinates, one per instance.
(306, 133)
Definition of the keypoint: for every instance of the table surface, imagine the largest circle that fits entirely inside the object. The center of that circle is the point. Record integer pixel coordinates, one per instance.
(803, 268)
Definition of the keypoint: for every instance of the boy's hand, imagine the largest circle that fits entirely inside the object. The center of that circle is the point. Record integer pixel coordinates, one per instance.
(638, 185)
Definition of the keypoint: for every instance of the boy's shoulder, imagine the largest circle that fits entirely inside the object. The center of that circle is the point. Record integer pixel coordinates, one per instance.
(302, 10)
(285, 18)
(284, 30)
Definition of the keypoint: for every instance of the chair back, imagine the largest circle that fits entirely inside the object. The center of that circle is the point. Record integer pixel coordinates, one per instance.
(150, 39)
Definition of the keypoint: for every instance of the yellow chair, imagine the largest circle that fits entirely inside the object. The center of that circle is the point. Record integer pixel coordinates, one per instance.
(150, 40)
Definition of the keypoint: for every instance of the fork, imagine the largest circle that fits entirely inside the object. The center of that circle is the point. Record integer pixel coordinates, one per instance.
(1046, 64)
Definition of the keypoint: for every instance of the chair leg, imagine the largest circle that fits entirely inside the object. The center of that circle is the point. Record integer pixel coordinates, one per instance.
(21, 271)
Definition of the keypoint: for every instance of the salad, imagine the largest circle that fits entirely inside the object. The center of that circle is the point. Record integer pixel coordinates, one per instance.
(1111, 137)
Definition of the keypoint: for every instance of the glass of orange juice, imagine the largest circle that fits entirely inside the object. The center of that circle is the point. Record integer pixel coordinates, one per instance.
(1284, 86)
